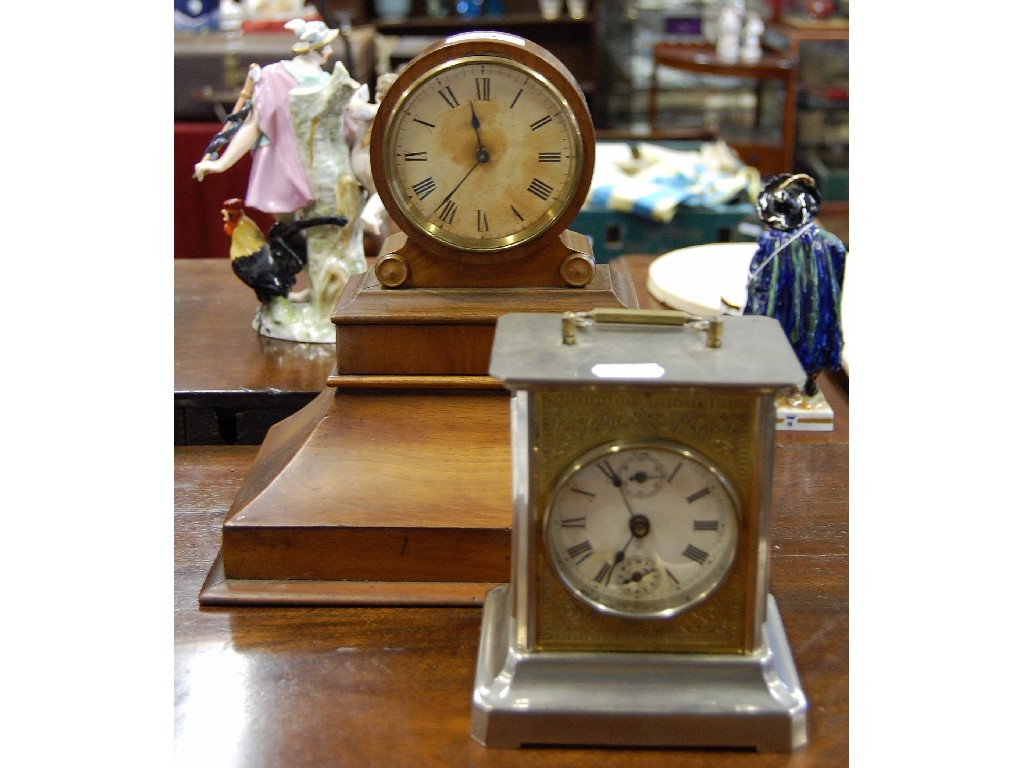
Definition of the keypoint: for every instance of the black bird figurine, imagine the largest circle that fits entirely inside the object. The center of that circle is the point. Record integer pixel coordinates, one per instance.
(269, 265)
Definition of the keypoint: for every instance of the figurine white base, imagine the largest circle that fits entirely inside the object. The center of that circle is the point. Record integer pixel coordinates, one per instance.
(812, 414)
(289, 320)
(634, 699)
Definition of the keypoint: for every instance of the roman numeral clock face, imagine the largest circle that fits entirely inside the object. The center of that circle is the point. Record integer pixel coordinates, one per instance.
(482, 153)
(642, 530)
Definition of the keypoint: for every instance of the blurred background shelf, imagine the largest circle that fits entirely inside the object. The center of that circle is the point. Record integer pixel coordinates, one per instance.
(610, 51)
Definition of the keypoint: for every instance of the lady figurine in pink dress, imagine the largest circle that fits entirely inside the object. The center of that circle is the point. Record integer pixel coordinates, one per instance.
(286, 105)
(278, 182)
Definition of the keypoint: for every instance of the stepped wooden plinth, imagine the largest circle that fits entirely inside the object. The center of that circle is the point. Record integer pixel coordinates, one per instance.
(394, 485)
(374, 497)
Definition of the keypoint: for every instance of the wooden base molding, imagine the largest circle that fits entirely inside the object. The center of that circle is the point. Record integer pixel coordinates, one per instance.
(363, 488)
(448, 331)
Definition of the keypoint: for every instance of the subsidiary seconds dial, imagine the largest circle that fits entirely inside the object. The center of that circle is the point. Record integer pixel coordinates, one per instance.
(481, 153)
(642, 530)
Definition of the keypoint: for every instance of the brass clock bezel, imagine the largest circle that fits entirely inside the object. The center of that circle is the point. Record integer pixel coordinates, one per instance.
(480, 245)
(671, 607)
(515, 53)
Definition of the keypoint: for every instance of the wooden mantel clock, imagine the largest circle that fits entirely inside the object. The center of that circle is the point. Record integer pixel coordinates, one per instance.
(482, 153)
(638, 612)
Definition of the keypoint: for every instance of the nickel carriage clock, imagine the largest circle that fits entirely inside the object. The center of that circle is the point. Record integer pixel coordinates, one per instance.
(638, 611)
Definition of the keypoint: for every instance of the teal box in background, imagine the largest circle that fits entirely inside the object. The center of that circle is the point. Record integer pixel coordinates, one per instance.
(616, 234)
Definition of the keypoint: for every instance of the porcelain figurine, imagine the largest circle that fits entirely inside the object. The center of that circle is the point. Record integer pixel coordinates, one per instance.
(286, 106)
(269, 265)
(796, 274)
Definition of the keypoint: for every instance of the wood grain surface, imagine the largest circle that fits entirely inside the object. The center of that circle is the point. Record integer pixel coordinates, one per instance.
(392, 686)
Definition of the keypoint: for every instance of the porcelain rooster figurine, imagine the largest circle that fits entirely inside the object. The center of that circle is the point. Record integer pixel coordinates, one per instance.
(269, 265)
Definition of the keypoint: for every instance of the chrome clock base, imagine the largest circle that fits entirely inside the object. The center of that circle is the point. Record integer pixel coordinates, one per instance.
(634, 699)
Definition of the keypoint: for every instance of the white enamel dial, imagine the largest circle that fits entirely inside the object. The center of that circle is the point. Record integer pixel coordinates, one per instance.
(482, 153)
(642, 530)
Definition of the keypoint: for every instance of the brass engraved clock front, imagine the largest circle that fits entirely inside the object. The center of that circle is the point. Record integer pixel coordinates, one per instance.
(712, 434)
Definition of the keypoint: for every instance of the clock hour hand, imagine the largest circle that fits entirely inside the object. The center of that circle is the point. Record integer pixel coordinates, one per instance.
(609, 472)
(482, 155)
(475, 122)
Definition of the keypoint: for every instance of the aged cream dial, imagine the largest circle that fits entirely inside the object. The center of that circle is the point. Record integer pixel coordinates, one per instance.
(642, 530)
(482, 153)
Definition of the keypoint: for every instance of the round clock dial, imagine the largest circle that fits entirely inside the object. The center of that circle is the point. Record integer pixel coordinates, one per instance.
(642, 530)
(483, 152)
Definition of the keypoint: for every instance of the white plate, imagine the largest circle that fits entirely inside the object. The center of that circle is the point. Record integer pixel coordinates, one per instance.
(705, 280)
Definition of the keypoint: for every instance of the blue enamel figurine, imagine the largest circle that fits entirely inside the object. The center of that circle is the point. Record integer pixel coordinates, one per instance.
(796, 275)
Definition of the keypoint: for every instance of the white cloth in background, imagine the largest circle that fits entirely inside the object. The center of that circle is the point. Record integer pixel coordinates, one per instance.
(655, 180)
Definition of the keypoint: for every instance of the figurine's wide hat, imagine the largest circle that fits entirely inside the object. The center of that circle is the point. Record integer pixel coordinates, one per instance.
(312, 35)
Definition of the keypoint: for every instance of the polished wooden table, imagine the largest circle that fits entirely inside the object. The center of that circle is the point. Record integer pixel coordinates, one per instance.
(794, 34)
(230, 384)
(261, 686)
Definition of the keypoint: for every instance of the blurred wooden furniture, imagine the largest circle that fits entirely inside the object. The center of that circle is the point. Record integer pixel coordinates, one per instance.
(769, 158)
(820, 49)
(391, 686)
(575, 42)
(794, 35)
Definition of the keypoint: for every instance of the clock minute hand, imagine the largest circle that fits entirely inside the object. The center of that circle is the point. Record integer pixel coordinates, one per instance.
(481, 156)
(621, 554)
(456, 189)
